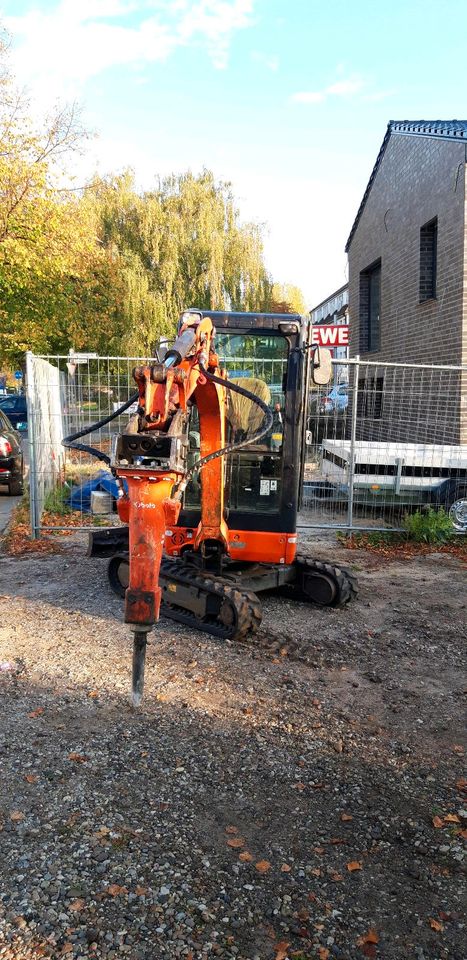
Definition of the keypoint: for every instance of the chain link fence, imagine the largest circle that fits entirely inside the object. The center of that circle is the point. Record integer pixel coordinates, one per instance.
(381, 440)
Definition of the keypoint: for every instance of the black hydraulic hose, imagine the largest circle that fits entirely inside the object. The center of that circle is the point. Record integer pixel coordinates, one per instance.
(266, 425)
(93, 451)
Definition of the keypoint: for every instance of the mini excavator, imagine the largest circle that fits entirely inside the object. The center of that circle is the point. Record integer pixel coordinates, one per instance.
(210, 470)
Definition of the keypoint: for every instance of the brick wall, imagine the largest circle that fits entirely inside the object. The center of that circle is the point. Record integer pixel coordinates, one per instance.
(419, 179)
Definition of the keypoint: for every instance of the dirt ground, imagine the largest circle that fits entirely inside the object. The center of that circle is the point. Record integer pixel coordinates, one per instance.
(307, 802)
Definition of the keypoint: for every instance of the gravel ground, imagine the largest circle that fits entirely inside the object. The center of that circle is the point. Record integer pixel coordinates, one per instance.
(258, 807)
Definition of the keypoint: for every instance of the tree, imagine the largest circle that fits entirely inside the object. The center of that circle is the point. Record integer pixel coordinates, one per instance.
(178, 246)
(286, 298)
(45, 235)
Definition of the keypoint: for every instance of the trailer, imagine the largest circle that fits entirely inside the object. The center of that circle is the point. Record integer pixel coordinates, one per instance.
(393, 475)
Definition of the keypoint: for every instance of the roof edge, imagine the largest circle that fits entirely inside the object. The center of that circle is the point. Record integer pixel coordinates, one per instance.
(453, 130)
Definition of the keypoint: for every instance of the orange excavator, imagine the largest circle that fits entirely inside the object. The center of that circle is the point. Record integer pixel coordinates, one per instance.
(210, 470)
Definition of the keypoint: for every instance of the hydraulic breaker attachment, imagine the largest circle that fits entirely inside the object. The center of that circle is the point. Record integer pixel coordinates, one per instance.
(150, 511)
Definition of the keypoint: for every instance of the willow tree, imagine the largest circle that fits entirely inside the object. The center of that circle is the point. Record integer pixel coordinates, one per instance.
(179, 245)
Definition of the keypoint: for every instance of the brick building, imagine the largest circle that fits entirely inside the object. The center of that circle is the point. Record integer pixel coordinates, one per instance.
(407, 254)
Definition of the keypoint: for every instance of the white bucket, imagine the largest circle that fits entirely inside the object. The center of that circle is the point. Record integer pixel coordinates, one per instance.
(101, 502)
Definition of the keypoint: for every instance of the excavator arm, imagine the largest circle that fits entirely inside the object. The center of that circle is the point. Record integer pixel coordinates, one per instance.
(152, 461)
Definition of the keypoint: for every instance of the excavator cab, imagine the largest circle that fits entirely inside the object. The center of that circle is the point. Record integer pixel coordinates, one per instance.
(264, 354)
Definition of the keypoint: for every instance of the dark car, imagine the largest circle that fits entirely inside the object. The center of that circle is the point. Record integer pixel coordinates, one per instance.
(11, 457)
(15, 409)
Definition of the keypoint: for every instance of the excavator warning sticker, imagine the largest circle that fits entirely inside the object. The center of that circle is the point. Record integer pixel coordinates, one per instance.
(266, 487)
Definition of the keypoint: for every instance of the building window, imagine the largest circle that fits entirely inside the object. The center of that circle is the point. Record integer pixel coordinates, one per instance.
(370, 308)
(428, 258)
(370, 398)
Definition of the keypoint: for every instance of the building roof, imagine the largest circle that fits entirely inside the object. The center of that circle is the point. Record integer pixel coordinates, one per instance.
(436, 129)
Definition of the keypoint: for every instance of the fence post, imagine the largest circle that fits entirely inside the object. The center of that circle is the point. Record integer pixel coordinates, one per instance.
(353, 433)
(33, 498)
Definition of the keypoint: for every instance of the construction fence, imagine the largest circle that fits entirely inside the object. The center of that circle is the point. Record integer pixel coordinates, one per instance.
(380, 441)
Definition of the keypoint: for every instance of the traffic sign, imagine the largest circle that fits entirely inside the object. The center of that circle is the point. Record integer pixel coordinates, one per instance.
(18, 374)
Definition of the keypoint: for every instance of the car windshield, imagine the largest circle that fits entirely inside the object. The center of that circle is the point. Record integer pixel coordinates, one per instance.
(4, 422)
(12, 403)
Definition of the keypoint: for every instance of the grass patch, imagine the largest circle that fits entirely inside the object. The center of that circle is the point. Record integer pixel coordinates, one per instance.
(428, 526)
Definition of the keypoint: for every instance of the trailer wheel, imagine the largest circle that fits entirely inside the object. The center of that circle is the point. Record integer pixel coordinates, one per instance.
(458, 514)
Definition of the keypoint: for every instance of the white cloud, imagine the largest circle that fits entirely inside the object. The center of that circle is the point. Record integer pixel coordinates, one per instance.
(309, 96)
(342, 88)
(57, 51)
(270, 61)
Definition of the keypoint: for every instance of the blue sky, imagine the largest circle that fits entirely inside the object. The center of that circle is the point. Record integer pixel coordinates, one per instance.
(287, 100)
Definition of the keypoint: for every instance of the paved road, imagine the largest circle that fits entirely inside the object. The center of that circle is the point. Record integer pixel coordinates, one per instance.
(6, 506)
(7, 503)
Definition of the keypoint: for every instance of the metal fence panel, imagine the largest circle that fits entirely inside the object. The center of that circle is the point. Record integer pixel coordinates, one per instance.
(382, 439)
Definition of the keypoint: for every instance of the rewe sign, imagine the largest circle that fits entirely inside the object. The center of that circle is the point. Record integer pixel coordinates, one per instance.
(330, 335)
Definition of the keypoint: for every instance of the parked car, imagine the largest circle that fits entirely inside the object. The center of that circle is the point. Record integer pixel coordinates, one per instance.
(16, 410)
(336, 401)
(11, 457)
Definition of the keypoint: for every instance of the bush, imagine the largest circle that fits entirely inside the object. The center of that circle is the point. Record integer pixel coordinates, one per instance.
(428, 526)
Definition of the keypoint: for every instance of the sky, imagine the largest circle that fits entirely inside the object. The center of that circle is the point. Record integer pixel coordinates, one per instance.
(287, 99)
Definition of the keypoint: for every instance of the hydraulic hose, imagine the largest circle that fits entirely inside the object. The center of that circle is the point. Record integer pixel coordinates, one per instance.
(229, 448)
(93, 451)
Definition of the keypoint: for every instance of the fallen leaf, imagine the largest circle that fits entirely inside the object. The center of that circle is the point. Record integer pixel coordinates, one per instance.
(457, 748)
(336, 841)
(370, 937)
(281, 950)
(345, 817)
(140, 891)
(369, 950)
(114, 890)
(462, 833)
(317, 786)
(451, 818)
(323, 953)
(298, 786)
(437, 822)
(263, 866)
(461, 784)
(31, 778)
(336, 877)
(36, 713)
(77, 905)
(285, 868)
(245, 856)
(93, 694)
(67, 948)
(231, 829)
(435, 925)
(315, 872)
(77, 757)
(318, 850)
(354, 865)
(236, 843)
(16, 816)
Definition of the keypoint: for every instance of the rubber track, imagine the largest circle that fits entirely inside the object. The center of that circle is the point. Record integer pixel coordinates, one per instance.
(248, 609)
(346, 583)
(245, 603)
